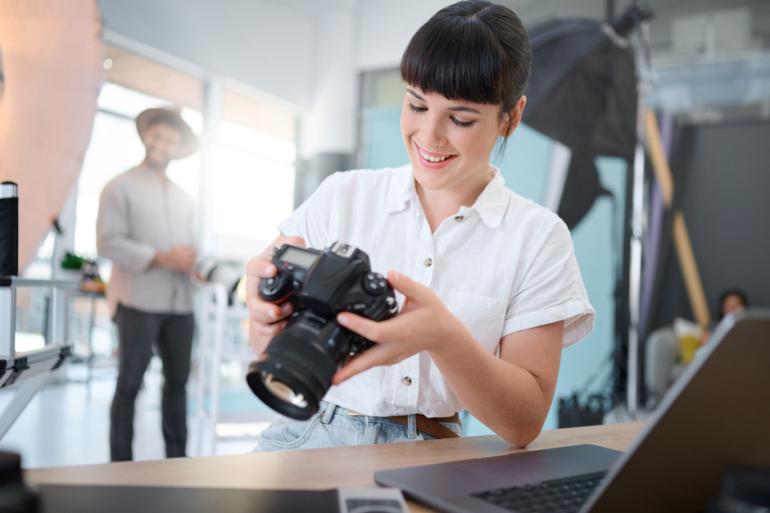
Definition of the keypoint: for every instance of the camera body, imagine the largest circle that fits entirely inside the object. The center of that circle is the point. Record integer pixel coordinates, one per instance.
(294, 372)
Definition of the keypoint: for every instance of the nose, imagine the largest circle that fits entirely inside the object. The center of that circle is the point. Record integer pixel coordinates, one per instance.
(434, 135)
(161, 145)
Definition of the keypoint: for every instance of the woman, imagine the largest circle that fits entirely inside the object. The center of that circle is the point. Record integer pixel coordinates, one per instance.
(490, 283)
(731, 301)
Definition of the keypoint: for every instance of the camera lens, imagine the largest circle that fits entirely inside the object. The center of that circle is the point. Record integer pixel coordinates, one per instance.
(283, 392)
(296, 369)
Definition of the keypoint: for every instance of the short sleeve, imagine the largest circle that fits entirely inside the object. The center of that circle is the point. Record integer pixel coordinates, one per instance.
(551, 289)
(311, 219)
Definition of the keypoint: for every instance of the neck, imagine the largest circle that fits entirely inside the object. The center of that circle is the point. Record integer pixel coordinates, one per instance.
(438, 204)
(160, 168)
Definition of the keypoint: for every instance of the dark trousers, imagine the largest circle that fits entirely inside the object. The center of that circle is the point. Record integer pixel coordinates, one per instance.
(172, 335)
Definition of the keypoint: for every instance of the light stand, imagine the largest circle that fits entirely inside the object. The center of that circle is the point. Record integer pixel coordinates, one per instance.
(644, 85)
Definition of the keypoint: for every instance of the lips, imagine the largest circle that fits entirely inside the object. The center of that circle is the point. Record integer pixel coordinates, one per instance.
(431, 159)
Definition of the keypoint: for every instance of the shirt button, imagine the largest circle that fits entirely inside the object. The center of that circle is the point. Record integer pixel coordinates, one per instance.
(428, 262)
(406, 380)
(459, 218)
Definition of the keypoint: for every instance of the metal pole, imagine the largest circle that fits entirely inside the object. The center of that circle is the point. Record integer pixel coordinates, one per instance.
(59, 316)
(28, 372)
(7, 321)
(644, 71)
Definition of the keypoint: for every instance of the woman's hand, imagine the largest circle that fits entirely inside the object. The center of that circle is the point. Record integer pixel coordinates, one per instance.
(424, 324)
(266, 319)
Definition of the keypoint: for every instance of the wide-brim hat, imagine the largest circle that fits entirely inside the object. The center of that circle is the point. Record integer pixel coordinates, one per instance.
(149, 117)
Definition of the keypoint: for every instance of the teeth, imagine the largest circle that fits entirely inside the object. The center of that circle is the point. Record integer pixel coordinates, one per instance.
(431, 158)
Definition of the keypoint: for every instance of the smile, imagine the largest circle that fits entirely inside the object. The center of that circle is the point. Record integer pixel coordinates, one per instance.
(432, 158)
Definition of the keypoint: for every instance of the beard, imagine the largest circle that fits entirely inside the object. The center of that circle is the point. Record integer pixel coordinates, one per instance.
(156, 162)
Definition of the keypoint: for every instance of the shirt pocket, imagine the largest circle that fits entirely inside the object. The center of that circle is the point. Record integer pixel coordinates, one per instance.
(484, 316)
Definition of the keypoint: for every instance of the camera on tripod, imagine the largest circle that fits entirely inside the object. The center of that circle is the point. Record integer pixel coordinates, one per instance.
(295, 371)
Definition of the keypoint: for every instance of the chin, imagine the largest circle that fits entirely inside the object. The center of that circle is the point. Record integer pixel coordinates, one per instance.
(428, 178)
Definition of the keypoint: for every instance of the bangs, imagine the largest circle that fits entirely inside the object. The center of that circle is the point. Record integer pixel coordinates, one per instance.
(459, 59)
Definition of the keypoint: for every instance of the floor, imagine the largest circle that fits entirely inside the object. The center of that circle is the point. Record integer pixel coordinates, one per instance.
(67, 423)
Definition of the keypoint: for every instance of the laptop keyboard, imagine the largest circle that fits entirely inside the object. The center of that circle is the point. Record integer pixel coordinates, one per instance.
(557, 496)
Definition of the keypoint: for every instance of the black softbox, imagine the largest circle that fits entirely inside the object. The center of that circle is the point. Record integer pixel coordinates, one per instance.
(583, 93)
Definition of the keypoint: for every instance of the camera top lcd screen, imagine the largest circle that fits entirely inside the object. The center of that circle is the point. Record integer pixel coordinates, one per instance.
(299, 257)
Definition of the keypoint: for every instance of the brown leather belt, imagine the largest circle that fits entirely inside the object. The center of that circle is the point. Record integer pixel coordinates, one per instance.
(431, 425)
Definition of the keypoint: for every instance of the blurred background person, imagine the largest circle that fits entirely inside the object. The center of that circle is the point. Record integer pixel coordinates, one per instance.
(731, 301)
(145, 226)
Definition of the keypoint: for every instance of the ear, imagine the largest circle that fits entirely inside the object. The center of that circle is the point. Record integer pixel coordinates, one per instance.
(513, 118)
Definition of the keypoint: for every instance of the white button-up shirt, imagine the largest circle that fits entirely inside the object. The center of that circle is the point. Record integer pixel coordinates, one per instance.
(502, 265)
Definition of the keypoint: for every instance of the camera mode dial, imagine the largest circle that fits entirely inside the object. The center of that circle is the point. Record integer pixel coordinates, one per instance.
(375, 284)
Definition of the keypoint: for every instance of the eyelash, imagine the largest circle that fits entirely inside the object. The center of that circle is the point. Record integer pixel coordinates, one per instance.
(462, 124)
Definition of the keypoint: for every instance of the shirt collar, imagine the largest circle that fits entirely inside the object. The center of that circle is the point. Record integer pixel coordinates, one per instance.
(401, 189)
(491, 203)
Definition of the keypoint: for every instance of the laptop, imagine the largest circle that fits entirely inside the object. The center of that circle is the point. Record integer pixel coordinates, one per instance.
(715, 416)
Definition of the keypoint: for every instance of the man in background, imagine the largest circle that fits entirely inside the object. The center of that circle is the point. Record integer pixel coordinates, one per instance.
(146, 227)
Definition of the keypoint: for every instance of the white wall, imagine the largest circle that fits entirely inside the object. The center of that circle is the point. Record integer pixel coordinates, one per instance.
(385, 29)
(267, 45)
(329, 122)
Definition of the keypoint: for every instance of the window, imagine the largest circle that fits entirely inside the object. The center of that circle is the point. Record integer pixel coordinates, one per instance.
(253, 174)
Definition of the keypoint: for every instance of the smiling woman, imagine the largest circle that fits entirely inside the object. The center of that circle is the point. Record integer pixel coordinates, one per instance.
(455, 137)
(489, 285)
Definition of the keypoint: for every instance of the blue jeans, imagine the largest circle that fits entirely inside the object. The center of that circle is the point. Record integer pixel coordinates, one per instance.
(335, 426)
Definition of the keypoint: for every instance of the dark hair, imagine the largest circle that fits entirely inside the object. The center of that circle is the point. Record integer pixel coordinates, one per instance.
(472, 50)
(727, 293)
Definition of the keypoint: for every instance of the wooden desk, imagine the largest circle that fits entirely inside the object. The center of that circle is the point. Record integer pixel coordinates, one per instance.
(320, 468)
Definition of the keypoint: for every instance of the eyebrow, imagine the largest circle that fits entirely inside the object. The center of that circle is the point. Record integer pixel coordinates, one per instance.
(458, 108)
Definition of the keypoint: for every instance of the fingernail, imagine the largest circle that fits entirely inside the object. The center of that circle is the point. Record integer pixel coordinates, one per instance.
(342, 319)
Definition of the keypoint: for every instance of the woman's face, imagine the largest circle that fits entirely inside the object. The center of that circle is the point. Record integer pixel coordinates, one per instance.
(732, 303)
(449, 141)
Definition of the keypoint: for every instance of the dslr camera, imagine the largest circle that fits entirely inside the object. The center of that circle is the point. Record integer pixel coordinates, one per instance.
(295, 371)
